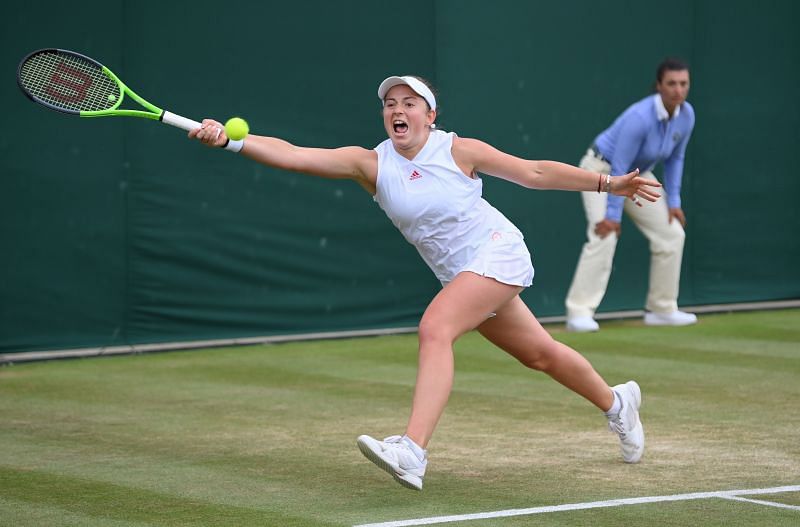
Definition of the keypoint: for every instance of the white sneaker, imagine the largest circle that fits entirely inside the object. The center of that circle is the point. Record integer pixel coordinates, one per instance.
(626, 424)
(582, 324)
(395, 456)
(676, 318)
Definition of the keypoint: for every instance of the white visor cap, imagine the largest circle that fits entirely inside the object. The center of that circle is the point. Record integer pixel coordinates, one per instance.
(412, 82)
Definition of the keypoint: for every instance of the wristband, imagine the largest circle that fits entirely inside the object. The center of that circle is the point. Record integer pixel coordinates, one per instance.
(607, 187)
(233, 146)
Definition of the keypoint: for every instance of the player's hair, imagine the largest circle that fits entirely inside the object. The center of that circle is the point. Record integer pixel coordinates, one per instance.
(433, 90)
(435, 93)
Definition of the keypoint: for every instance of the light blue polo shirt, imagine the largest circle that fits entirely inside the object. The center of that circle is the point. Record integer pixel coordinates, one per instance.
(643, 136)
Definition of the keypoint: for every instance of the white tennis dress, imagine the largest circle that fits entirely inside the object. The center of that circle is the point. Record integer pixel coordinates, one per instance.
(440, 211)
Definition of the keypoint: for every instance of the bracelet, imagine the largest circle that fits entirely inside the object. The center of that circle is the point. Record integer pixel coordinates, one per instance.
(607, 187)
(233, 146)
(599, 181)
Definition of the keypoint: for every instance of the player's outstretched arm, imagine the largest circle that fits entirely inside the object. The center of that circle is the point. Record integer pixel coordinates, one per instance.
(548, 175)
(349, 162)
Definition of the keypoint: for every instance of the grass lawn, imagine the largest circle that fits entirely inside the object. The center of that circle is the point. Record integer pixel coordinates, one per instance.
(265, 435)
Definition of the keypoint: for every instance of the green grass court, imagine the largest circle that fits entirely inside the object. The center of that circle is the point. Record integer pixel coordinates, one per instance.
(265, 435)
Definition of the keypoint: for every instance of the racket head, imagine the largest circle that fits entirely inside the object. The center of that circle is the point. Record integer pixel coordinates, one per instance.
(68, 82)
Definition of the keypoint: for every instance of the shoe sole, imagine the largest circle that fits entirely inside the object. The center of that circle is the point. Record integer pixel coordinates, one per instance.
(638, 430)
(637, 393)
(396, 472)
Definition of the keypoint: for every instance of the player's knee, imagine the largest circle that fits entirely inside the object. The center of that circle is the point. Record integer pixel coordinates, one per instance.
(539, 358)
(431, 331)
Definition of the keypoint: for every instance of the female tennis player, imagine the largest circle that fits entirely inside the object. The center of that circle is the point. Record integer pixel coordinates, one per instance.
(427, 182)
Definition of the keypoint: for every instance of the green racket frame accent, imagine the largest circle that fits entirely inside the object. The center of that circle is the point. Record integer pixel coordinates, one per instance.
(154, 113)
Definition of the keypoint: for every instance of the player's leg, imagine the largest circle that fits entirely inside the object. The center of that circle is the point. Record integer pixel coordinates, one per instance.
(459, 307)
(516, 331)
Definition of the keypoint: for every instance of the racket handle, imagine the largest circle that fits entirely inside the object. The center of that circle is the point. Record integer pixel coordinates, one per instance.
(189, 125)
(178, 121)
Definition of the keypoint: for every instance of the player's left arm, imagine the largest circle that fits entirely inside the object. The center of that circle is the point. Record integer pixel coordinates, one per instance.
(545, 175)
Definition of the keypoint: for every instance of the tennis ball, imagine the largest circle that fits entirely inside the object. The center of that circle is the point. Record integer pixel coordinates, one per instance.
(236, 128)
(112, 97)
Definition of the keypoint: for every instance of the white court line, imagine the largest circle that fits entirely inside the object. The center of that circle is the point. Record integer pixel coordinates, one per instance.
(727, 494)
(762, 502)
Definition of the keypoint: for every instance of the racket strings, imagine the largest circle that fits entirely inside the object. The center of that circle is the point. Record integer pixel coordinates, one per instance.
(69, 82)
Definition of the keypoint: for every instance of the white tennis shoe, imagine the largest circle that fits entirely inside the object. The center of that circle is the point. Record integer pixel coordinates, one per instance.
(395, 455)
(582, 324)
(676, 318)
(626, 424)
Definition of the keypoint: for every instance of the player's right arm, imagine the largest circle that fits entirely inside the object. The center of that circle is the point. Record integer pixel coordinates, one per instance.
(349, 162)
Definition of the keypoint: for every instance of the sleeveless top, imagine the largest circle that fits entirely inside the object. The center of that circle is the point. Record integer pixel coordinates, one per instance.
(440, 211)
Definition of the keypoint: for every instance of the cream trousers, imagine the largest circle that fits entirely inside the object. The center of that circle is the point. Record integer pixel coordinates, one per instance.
(594, 267)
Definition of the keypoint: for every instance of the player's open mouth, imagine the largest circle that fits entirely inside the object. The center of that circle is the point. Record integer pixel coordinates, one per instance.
(400, 127)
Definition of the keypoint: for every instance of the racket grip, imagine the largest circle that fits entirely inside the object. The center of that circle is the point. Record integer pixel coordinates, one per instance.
(178, 121)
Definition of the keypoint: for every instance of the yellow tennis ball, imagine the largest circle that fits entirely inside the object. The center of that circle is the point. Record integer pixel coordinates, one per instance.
(236, 128)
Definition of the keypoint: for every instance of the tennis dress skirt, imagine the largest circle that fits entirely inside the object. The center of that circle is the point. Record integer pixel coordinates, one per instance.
(505, 258)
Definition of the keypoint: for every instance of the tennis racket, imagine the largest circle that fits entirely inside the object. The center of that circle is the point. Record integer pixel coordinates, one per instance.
(72, 83)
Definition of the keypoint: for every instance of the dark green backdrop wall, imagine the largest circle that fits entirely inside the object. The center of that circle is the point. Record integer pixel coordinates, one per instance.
(121, 231)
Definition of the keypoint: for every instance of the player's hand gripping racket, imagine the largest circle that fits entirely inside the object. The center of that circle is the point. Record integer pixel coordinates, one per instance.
(72, 83)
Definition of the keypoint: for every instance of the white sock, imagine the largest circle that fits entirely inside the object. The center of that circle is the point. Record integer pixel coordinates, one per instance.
(418, 450)
(616, 406)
